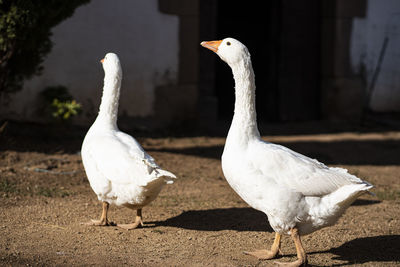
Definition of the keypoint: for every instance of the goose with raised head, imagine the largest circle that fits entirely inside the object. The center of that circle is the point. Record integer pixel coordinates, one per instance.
(119, 170)
(298, 194)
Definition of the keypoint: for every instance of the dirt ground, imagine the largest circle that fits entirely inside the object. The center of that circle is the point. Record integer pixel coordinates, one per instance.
(197, 221)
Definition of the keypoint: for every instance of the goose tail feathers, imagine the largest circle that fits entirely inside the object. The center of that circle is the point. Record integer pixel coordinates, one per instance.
(346, 195)
(168, 176)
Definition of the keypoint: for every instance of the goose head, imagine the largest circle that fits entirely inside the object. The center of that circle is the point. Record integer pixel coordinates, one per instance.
(111, 65)
(229, 50)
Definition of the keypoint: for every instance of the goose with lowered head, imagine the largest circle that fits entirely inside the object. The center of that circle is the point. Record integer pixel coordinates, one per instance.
(119, 170)
(298, 194)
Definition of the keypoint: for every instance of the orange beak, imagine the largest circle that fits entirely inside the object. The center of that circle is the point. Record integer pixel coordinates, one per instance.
(212, 45)
(102, 61)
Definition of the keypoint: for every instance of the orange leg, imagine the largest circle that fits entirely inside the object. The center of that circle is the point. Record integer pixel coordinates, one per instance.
(264, 254)
(301, 254)
(138, 221)
(103, 219)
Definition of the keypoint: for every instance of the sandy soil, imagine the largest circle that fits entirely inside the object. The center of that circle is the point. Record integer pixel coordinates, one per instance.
(199, 220)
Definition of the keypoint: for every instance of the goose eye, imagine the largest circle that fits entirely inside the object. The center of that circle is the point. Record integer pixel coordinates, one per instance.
(228, 43)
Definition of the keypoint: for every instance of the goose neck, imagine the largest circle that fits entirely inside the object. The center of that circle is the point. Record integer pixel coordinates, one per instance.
(109, 102)
(245, 117)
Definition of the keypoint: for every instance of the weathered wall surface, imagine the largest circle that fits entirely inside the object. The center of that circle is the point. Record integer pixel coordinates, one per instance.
(146, 40)
(375, 53)
(360, 58)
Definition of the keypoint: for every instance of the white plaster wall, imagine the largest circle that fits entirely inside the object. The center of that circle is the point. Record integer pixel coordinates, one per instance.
(145, 40)
(382, 21)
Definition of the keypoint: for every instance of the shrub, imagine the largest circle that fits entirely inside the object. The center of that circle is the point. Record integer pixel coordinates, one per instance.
(25, 30)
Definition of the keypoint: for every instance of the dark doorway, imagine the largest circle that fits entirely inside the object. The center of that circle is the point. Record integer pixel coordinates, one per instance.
(283, 38)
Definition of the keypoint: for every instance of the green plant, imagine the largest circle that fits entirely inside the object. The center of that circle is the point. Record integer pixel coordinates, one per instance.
(51, 192)
(59, 103)
(7, 186)
(25, 30)
(388, 194)
(65, 110)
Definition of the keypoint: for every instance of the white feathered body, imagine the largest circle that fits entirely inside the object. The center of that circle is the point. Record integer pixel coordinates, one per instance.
(290, 188)
(119, 170)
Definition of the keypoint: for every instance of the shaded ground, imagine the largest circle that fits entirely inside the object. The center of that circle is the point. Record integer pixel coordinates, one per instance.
(199, 220)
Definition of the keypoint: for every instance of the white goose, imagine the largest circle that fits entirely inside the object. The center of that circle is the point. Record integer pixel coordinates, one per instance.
(119, 170)
(298, 194)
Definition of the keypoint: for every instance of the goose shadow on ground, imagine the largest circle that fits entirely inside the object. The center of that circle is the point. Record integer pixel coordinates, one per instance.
(238, 219)
(364, 202)
(383, 248)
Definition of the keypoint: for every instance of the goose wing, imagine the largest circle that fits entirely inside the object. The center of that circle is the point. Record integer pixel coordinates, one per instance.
(121, 159)
(136, 149)
(298, 172)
